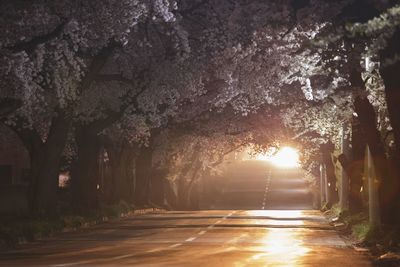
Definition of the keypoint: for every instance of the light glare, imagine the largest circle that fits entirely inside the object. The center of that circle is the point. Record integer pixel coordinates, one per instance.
(286, 157)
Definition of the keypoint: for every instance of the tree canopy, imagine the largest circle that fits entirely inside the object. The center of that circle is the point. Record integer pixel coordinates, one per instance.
(204, 76)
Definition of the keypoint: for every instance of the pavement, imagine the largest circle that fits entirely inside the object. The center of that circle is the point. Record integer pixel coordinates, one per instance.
(270, 234)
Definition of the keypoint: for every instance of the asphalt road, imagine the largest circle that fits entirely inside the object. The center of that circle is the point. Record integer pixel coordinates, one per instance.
(229, 237)
(256, 185)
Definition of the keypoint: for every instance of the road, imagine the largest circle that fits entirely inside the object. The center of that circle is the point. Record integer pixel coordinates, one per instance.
(257, 185)
(225, 237)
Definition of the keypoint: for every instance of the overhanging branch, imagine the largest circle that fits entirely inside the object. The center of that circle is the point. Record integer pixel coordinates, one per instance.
(31, 45)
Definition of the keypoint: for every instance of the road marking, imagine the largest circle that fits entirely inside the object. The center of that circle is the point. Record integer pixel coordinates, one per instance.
(123, 256)
(210, 226)
(190, 239)
(202, 232)
(72, 263)
(217, 222)
(154, 250)
(175, 245)
(266, 189)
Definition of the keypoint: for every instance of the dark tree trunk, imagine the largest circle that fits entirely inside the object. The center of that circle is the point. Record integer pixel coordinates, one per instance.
(388, 187)
(186, 186)
(368, 124)
(158, 183)
(391, 78)
(356, 167)
(45, 160)
(122, 162)
(327, 150)
(143, 175)
(85, 176)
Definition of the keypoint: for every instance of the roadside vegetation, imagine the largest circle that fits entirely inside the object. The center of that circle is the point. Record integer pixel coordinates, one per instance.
(20, 229)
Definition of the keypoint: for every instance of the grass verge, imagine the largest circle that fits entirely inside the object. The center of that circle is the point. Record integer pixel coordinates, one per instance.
(19, 229)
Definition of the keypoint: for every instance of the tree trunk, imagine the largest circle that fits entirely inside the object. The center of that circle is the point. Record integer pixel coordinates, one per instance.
(122, 162)
(345, 177)
(185, 189)
(143, 175)
(183, 194)
(390, 74)
(45, 160)
(327, 150)
(388, 187)
(354, 168)
(85, 176)
(158, 183)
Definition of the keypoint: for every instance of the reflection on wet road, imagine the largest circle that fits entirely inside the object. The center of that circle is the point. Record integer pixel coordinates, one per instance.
(202, 238)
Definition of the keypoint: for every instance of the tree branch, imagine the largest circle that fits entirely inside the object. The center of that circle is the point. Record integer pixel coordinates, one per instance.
(31, 45)
(8, 106)
(113, 78)
(97, 64)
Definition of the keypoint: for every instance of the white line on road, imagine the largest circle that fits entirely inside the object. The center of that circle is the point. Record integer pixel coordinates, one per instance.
(202, 232)
(266, 189)
(123, 257)
(72, 263)
(154, 250)
(190, 239)
(175, 245)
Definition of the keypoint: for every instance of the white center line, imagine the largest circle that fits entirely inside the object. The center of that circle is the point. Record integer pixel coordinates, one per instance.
(175, 245)
(72, 263)
(266, 189)
(123, 256)
(154, 250)
(202, 232)
(190, 239)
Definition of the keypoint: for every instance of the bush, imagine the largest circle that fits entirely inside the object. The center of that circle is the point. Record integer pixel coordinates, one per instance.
(115, 210)
(12, 229)
(73, 221)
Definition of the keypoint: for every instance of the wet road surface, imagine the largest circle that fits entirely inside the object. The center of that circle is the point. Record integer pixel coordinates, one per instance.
(201, 238)
(257, 185)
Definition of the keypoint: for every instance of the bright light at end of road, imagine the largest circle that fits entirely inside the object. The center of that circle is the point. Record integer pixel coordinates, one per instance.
(286, 157)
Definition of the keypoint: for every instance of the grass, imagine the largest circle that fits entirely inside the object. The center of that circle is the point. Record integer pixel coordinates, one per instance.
(14, 229)
(363, 232)
(356, 224)
(28, 229)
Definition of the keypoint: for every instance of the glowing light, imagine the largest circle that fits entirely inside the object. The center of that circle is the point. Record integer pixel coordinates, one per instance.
(263, 157)
(286, 157)
(276, 213)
